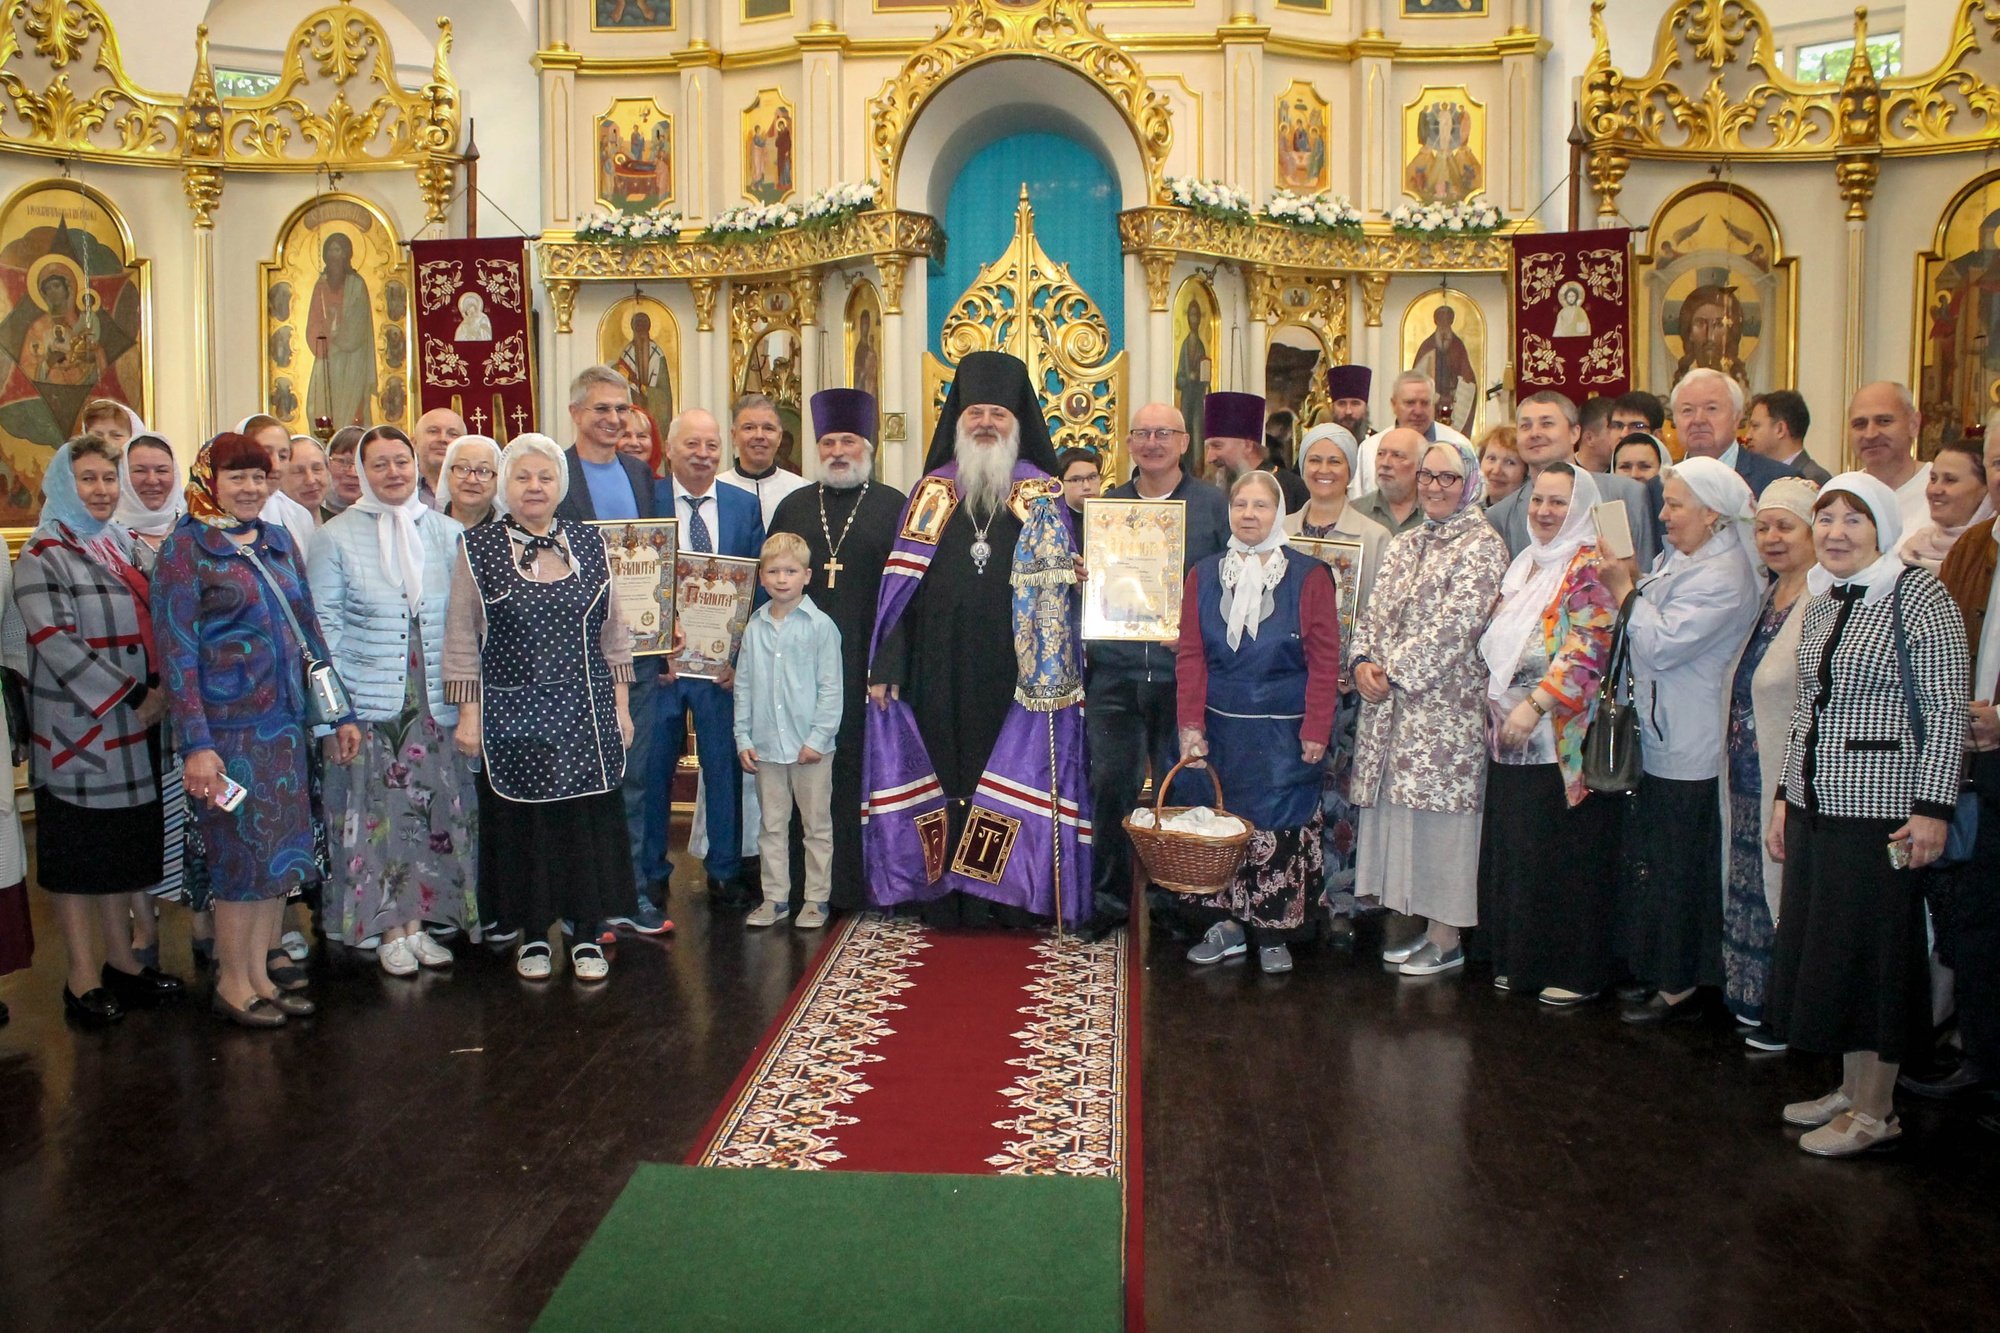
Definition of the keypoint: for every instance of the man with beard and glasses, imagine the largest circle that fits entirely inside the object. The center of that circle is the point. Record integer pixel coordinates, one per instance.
(848, 521)
(974, 767)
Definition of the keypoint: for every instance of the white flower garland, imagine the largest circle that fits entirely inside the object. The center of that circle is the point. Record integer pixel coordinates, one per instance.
(1446, 219)
(748, 221)
(1210, 198)
(1314, 212)
(661, 225)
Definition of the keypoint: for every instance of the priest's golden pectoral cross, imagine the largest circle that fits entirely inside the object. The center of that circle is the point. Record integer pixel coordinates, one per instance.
(832, 568)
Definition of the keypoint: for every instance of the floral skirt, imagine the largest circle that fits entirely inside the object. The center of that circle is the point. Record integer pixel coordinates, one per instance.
(1747, 933)
(1338, 814)
(1283, 867)
(402, 822)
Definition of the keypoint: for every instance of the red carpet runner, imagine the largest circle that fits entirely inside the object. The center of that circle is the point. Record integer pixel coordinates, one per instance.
(948, 1052)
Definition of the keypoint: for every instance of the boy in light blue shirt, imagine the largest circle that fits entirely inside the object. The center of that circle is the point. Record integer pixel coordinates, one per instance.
(788, 693)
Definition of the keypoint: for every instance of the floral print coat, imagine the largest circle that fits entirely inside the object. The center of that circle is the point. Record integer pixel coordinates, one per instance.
(1436, 590)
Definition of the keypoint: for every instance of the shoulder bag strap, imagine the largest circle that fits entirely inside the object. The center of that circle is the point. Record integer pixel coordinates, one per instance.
(284, 605)
(1618, 670)
(1905, 675)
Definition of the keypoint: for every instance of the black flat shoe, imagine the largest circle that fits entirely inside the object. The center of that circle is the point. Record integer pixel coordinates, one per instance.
(1655, 1011)
(259, 1013)
(95, 1008)
(1963, 1078)
(204, 953)
(293, 1006)
(4, 1015)
(146, 989)
(283, 972)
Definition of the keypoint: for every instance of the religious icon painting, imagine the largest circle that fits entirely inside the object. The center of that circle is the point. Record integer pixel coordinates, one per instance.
(74, 309)
(1197, 326)
(631, 15)
(767, 147)
(757, 10)
(930, 509)
(1295, 362)
(347, 297)
(635, 156)
(1444, 146)
(1444, 9)
(1302, 140)
(1715, 290)
(864, 339)
(1307, 6)
(639, 338)
(1444, 336)
(1956, 341)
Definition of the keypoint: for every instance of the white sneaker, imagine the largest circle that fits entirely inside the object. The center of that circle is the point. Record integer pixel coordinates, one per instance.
(812, 916)
(295, 946)
(427, 951)
(1401, 953)
(768, 914)
(397, 958)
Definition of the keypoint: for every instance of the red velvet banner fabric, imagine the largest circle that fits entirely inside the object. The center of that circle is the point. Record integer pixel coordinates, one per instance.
(475, 352)
(1573, 313)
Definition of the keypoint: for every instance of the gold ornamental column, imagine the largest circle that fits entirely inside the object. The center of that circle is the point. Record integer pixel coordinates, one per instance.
(201, 178)
(902, 463)
(1856, 165)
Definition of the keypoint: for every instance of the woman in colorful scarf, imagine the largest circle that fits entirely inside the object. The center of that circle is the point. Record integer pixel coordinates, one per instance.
(95, 706)
(236, 674)
(1257, 674)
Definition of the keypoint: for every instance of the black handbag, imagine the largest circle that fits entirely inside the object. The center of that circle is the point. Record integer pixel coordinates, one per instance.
(1611, 745)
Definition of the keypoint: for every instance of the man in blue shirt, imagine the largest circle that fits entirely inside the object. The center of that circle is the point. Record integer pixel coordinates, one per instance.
(1129, 687)
(605, 484)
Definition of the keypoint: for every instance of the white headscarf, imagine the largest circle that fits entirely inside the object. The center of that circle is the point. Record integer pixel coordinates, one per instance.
(1247, 582)
(520, 447)
(1532, 582)
(398, 544)
(1341, 436)
(1881, 504)
(1718, 487)
(132, 510)
(451, 456)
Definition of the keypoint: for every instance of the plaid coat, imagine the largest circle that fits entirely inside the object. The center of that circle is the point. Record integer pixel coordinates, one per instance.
(87, 649)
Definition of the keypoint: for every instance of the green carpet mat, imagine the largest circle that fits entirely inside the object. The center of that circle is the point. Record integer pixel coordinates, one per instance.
(699, 1248)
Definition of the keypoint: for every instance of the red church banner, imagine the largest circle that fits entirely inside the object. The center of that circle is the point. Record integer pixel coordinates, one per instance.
(475, 354)
(1573, 313)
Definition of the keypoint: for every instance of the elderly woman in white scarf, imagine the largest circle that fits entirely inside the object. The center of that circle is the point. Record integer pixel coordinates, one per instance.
(1328, 457)
(1546, 903)
(401, 816)
(471, 479)
(1685, 627)
(1419, 755)
(1871, 782)
(1257, 675)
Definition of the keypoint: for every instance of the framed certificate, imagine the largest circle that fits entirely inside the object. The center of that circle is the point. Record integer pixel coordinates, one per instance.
(641, 553)
(1133, 550)
(1342, 555)
(713, 594)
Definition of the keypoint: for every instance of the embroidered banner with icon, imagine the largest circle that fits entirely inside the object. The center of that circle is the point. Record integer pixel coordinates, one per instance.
(1573, 313)
(475, 353)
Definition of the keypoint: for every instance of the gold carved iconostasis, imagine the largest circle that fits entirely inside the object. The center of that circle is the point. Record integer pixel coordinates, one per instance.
(1764, 197)
(703, 155)
(222, 249)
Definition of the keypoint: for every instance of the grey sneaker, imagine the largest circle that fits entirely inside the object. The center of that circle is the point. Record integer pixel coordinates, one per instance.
(1400, 953)
(1224, 940)
(1430, 960)
(1274, 958)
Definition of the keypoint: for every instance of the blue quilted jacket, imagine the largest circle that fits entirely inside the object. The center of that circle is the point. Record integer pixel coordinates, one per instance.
(366, 620)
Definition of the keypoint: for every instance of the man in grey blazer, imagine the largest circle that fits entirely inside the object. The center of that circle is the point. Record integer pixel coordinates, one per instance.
(1777, 430)
(1546, 431)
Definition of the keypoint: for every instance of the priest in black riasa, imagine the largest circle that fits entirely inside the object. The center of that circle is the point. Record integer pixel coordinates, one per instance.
(848, 521)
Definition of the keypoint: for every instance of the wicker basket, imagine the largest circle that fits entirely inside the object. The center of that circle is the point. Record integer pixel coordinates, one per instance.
(1183, 862)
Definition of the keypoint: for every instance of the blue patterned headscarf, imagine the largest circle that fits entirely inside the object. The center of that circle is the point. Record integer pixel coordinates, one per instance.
(106, 541)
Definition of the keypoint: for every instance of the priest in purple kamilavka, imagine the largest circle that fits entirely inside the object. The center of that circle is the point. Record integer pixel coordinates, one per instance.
(974, 770)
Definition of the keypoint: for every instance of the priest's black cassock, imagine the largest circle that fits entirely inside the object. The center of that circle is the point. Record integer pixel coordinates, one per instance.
(952, 652)
(860, 521)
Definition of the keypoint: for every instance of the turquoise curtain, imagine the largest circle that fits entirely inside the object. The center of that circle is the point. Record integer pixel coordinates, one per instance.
(1076, 219)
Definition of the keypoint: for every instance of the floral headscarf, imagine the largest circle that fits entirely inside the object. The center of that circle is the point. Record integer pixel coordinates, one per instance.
(202, 504)
(1468, 463)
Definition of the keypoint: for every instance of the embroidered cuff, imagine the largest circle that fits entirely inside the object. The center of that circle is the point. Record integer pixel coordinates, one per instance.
(461, 691)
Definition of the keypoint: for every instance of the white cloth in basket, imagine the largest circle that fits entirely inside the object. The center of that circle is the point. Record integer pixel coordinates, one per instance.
(1200, 821)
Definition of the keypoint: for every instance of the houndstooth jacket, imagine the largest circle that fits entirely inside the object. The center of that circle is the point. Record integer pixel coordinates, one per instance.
(1867, 763)
(86, 652)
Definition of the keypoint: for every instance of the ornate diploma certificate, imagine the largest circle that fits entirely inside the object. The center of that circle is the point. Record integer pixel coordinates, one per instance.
(713, 593)
(641, 553)
(1133, 550)
(1342, 555)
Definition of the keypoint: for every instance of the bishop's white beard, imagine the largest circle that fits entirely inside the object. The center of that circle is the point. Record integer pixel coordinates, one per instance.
(844, 475)
(986, 471)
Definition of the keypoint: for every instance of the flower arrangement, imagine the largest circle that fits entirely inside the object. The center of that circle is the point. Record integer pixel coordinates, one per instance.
(817, 212)
(1330, 214)
(1462, 218)
(1211, 199)
(661, 226)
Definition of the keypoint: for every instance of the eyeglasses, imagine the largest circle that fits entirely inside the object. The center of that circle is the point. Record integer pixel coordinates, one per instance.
(1158, 435)
(474, 470)
(1443, 480)
(1078, 478)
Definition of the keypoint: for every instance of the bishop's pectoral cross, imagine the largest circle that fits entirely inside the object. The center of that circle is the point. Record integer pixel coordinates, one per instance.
(832, 568)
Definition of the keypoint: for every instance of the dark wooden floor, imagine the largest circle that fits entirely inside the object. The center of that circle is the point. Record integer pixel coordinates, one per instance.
(1337, 1147)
